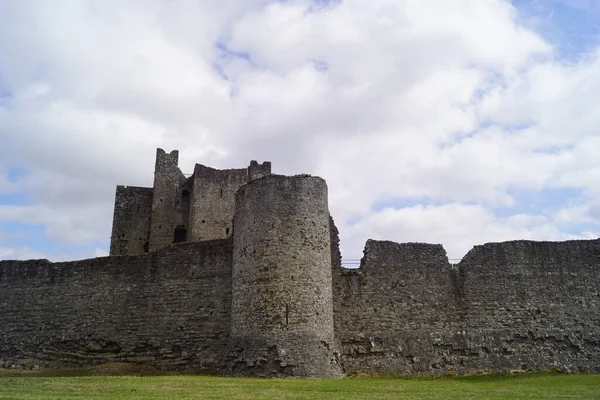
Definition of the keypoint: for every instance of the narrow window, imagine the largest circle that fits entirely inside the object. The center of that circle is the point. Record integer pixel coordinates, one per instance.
(146, 247)
(287, 314)
(227, 231)
(180, 234)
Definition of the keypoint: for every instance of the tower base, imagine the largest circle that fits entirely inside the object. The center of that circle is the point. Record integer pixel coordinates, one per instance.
(305, 357)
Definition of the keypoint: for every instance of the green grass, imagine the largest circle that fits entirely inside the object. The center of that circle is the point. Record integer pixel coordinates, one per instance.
(528, 386)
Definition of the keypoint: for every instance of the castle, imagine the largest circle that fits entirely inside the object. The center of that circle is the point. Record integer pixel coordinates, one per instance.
(178, 209)
(239, 272)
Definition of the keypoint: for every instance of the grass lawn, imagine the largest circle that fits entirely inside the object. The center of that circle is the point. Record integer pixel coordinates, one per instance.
(527, 386)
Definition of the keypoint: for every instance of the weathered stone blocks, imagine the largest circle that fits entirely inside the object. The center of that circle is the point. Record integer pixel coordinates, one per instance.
(282, 312)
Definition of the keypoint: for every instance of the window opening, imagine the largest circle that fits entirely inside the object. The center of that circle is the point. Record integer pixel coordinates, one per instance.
(180, 234)
(287, 314)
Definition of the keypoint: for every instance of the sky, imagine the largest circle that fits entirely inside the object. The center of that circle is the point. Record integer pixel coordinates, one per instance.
(457, 122)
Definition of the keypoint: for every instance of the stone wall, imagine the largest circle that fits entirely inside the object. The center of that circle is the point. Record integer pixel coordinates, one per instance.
(397, 312)
(131, 221)
(257, 171)
(531, 305)
(269, 301)
(170, 309)
(513, 305)
(213, 201)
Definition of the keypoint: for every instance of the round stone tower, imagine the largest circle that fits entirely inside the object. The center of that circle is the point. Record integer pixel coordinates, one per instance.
(282, 309)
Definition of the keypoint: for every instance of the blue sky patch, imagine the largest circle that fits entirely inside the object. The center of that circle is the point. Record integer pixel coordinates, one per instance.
(227, 52)
(13, 198)
(536, 202)
(16, 173)
(320, 65)
(572, 26)
(34, 236)
(5, 98)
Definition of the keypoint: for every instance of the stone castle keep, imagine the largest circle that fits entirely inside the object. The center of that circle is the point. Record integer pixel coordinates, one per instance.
(178, 209)
(239, 272)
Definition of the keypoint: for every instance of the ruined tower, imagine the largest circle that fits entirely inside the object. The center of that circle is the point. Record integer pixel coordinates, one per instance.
(131, 220)
(178, 208)
(166, 199)
(282, 312)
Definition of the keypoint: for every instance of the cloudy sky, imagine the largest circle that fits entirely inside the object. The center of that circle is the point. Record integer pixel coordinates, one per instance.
(445, 121)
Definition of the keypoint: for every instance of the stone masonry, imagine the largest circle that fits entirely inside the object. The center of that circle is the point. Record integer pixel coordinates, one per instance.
(178, 209)
(238, 272)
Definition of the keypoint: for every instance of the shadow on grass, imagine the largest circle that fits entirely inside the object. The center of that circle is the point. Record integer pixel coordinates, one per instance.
(133, 369)
(106, 369)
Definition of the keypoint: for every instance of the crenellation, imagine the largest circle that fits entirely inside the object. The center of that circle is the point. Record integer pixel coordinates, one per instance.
(256, 170)
(239, 272)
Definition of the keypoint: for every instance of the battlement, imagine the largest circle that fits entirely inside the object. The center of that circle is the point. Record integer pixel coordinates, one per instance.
(132, 189)
(256, 170)
(166, 161)
(174, 154)
(385, 254)
(528, 252)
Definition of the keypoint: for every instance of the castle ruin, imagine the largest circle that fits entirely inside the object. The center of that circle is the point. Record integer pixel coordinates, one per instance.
(238, 272)
(178, 209)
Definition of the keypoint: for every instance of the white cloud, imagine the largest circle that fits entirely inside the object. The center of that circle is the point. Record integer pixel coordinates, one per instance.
(100, 253)
(458, 226)
(19, 253)
(62, 225)
(394, 102)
